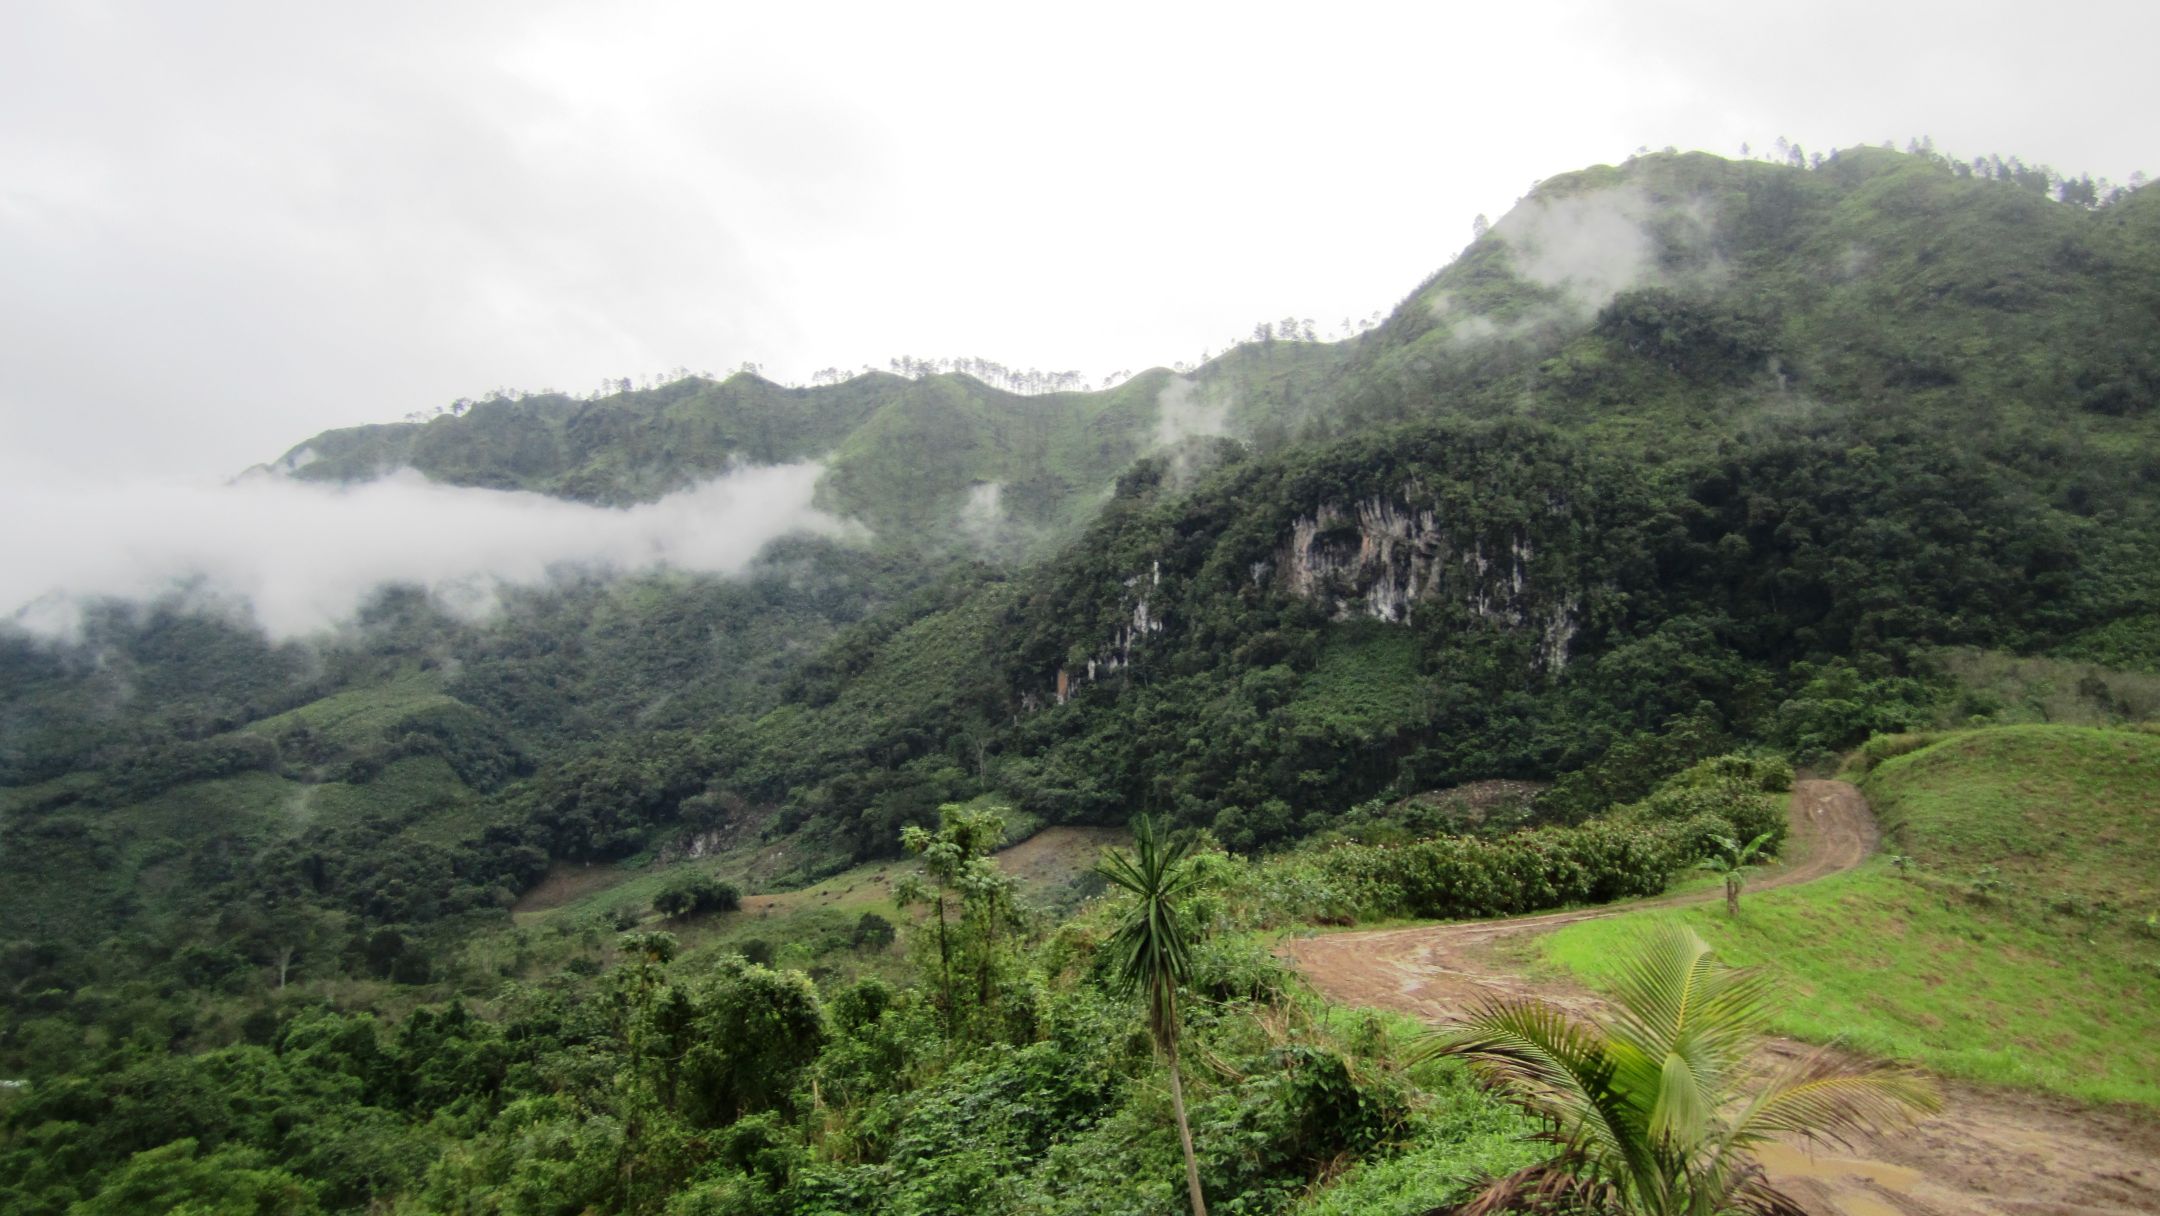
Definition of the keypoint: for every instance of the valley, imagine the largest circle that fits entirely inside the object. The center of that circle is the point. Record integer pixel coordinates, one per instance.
(1796, 518)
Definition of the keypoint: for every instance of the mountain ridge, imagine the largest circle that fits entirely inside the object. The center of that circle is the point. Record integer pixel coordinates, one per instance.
(1878, 280)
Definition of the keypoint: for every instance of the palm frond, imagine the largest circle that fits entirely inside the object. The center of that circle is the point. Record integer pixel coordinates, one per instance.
(1670, 988)
(1827, 1097)
(1150, 949)
(1651, 1111)
(1684, 1104)
(1559, 1069)
(1553, 1187)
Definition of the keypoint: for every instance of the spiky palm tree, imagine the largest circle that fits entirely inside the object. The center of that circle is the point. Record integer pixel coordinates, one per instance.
(1660, 1110)
(1732, 860)
(1152, 958)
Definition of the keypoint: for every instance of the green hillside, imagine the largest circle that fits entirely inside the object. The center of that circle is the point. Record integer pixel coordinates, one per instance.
(2008, 933)
(1661, 307)
(1684, 458)
(1568, 516)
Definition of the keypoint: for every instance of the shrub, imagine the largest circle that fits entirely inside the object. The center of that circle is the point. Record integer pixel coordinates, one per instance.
(872, 932)
(1730, 788)
(1889, 747)
(1461, 876)
(1769, 774)
(1237, 969)
(1837, 706)
(693, 894)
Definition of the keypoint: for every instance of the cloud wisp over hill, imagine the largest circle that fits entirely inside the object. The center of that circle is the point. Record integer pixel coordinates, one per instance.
(1584, 249)
(302, 557)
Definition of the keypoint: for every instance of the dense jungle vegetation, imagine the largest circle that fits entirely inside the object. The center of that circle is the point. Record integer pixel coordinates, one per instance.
(435, 914)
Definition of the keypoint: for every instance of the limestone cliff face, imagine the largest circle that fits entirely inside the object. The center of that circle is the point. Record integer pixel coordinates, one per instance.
(1384, 558)
(1117, 652)
(1381, 558)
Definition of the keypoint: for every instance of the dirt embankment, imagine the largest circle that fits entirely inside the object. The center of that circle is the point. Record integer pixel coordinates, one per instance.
(1991, 1151)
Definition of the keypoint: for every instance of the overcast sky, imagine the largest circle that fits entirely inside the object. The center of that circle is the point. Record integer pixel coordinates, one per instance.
(225, 226)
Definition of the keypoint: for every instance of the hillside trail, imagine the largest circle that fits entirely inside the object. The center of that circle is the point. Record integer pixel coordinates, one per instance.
(1990, 1151)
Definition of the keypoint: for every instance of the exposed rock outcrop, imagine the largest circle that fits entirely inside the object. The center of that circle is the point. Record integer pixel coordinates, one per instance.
(1383, 559)
(1118, 651)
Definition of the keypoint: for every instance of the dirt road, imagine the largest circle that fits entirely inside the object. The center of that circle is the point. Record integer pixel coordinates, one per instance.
(1991, 1151)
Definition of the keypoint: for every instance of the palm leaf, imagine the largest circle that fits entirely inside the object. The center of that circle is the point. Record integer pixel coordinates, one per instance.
(1650, 1110)
(1672, 991)
(1684, 1028)
(1827, 1097)
(1149, 948)
(1559, 1069)
(1555, 1186)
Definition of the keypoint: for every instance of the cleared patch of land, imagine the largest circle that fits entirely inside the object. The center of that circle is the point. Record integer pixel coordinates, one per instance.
(1996, 1148)
(1049, 866)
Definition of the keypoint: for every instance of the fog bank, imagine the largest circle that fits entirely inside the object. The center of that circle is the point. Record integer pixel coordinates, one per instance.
(304, 556)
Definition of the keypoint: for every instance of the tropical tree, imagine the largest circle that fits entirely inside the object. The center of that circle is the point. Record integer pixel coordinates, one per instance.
(1660, 1109)
(956, 858)
(1150, 954)
(1732, 860)
(911, 891)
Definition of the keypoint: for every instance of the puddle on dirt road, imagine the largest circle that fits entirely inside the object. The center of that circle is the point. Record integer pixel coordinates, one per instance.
(1855, 1184)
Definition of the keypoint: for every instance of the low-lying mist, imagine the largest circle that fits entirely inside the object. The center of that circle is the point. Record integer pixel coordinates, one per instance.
(303, 556)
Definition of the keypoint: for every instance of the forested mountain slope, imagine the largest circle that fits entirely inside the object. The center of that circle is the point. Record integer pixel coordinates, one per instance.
(1681, 455)
(1667, 302)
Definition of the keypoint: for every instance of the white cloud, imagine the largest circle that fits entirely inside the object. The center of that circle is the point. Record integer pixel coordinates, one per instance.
(304, 556)
(1588, 248)
(1591, 247)
(982, 516)
(1186, 410)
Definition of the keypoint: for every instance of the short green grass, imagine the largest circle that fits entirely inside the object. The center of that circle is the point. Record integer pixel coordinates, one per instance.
(862, 888)
(2060, 811)
(360, 716)
(2015, 976)
(867, 887)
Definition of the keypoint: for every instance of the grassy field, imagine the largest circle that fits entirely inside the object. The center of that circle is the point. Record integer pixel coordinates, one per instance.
(360, 716)
(2013, 945)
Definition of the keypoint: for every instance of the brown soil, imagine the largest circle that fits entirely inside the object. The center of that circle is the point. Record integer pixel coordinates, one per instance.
(1053, 859)
(1992, 1150)
(566, 883)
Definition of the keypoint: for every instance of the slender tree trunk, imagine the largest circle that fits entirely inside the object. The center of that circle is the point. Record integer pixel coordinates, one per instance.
(1184, 1131)
(944, 956)
(1732, 896)
(982, 972)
